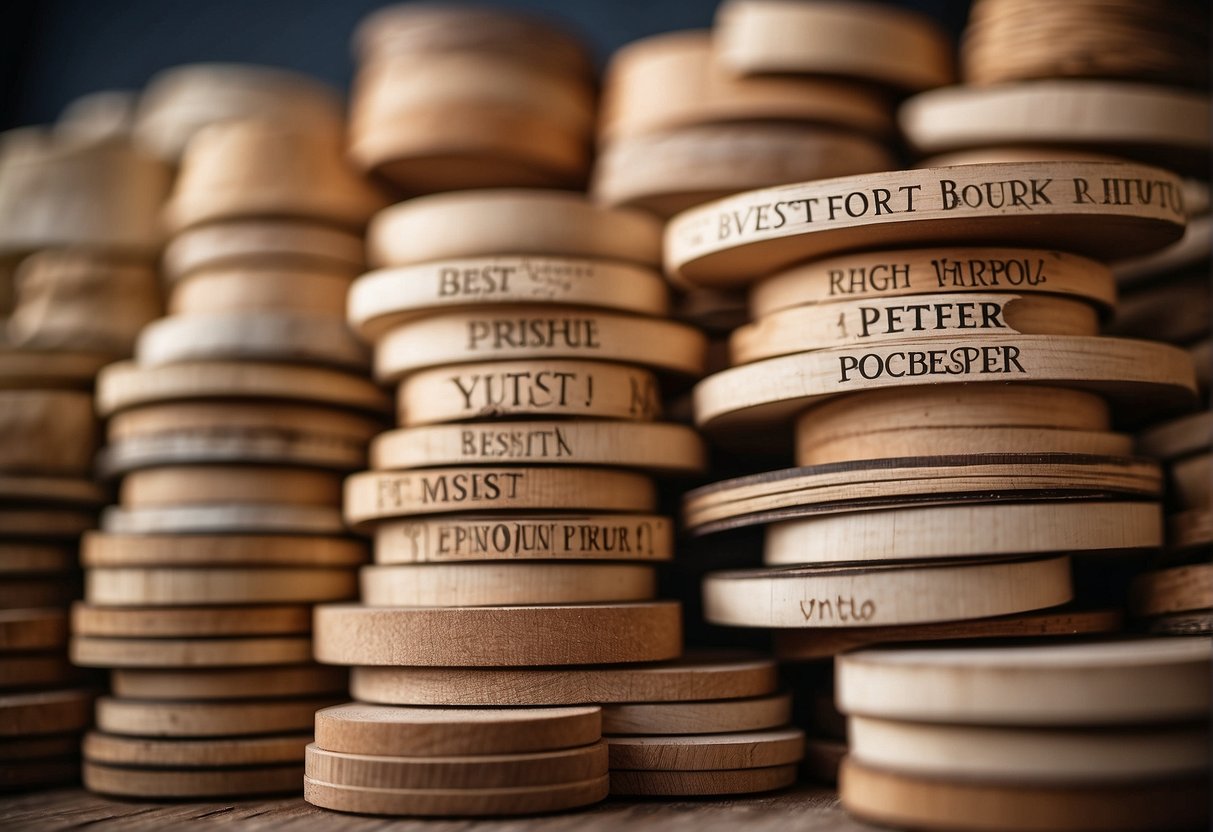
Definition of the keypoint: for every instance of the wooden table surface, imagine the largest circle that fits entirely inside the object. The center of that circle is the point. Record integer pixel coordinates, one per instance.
(801, 809)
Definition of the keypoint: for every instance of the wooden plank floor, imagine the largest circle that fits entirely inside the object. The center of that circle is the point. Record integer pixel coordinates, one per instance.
(803, 808)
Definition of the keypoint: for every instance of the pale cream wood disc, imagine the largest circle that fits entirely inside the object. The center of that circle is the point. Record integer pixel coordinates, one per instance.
(191, 783)
(381, 299)
(218, 418)
(221, 518)
(228, 683)
(737, 240)
(691, 678)
(45, 491)
(98, 549)
(1126, 682)
(871, 595)
(498, 537)
(709, 717)
(47, 432)
(189, 622)
(707, 752)
(99, 651)
(964, 531)
(381, 495)
(1178, 589)
(701, 783)
(541, 389)
(45, 523)
(263, 243)
(45, 712)
(177, 485)
(524, 800)
(956, 270)
(24, 369)
(387, 730)
(112, 749)
(498, 636)
(206, 719)
(246, 290)
(496, 584)
(32, 629)
(655, 447)
(1178, 437)
(19, 557)
(183, 586)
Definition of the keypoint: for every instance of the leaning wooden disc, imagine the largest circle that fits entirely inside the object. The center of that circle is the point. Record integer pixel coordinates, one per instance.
(99, 549)
(37, 628)
(649, 446)
(191, 783)
(541, 389)
(104, 651)
(23, 369)
(228, 682)
(913, 801)
(1127, 682)
(739, 239)
(713, 717)
(701, 783)
(45, 712)
(380, 495)
(955, 441)
(262, 243)
(18, 557)
(50, 490)
(384, 730)
(1178, 437)
(498, 636)
(526, 800)
(503, 584)
(206, 719)
(189, 622)
(1178, 589)
(864, 275)
(208, 484)
(112, 749)
(964, 531)
(707, 752)
(691, 678)
(220, 518)
(186, 586)
(871, 595)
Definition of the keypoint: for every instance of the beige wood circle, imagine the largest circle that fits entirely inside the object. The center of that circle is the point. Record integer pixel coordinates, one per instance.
(98, 549)
(709, 717)
(206, 719)
(191, 783)
(1191, 480)
(519, 800)
(223, 518)
(113, 749)
(248, 651)
(263, 244)
(228, 682)
(707, 752)
(47, 432)
(948, 441)
(1177, 589)
(215, 417)
(146, 621)
(244, 290)
(175, 485)
(498, 584)
(45, 712)
(184, 586)
(701, 783)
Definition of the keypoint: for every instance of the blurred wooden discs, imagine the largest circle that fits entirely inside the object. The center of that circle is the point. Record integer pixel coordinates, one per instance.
(243, 290)
(708, 717)
(498, 636)
(497, 584)
(183, 586)
(19, 749)
(233, 484)
(1178, 437)
(104, 651)
(91, 619)
(21, 369)
(957, 441)
(1197, 623)
(220, 418)
(1178, 589)
(45, 523)
(701, 783)
(228, 682)
(707, 752)
(20, 557)
(260, 243)
(526, 800)
(38, 670)
(223, 518)
(45, 712)
(303, 338)
(1190, 529)
(206, 719)
(114, 550)
(49, 432)
(1192, 480)
(32, 629)
(52, 490)
(191, 783)
(1177, 310)
(112, 749)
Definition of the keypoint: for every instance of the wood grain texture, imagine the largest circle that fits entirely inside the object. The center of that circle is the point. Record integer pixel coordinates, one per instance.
(707, 717)
(184, 586)
(189, 622)
(496, 584)
(160, 783)
(136, 718)
(701, 783)
(707, 752)
(98, 549)
(523, 800)
(1178, 589)
(103, 651)
(228, 682)
(140, 752)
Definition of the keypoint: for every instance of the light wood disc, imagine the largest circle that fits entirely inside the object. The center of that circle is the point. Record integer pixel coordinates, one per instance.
(701, 783)
(708, 752)
(229, 683)
(498, 584)
(176, 485)
(104, 651)
(957, 441)
(523, 800)
(262, 243)
(189, 622)
(98, 549)
(135, 718)
(220, 518)
(50, 491)
(712, 717)
(183, 586)
(141, 752)
(232, 445)
(1178, 589)
(243, 291)
(191, 783)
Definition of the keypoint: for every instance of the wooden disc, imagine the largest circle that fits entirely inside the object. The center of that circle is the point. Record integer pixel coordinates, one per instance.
(865, 322)
(956, 441)
(45, 712)
(302, 338)
(18, 558)
(98, 549)
(707, 752)
(1191, 250)
(179, 586)
(501, 584)
(391, 730)
(654, 447)
(471, 224)
(482, 771)
(42, 591)
(189, 622)
(542, 389)
(104, 651)
(207, 484)
(384, 298)
(1178, 437)
(1191, 480)
(714, 717)
(267, 418)
(735, 241)
(826, 643)
(624, 537)
(268, 519)
(50, 491)
(692, 678)
(1198, 623)
(229, 290)
(1190, 529)
(32, 629)
(23, 369)
(498, 636)
(49, 432)
(229, 683)
(380, 495)
(1128, 682)
(863, 275)
(112, 749)
(125, 385)
(191, 783)
(25, 749)
(134, 718)
(526, 800)
(965, 531)
(870, 595)
(822, 758)
(701, 783)
(1178, 589)
(903, 800)
(263, 243)
(38, 670)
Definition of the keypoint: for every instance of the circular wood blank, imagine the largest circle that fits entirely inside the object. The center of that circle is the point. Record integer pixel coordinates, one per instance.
(221, 518)
(135, 718)
(708, 752)
(32, 629)
(243, 291)
(48, 432)
(232, 445)
(528, 800)
(701, 783)
(1179, 589)
(50, 491)
(262, 244)
(499, 636)
(498, 584)
(955, 441)
(111, 749)
(45, 712)
(189, 622)
(714, 717)
(17, 558)
(206, 484)
(38, 670)
(695, 677)
(1127, 682)
(99, 651)
(736, 240)
(228, 683)
(870, 595)
(192, 783)
(130, 586)
(99, 549)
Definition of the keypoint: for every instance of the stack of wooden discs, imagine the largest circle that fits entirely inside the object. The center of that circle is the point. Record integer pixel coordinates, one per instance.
(231, 432)
(1091, 735)
(453, 97)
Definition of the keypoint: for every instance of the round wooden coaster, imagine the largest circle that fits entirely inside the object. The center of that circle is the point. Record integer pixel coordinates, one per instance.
(543, 389)
(18, 557)
(380, 495)
(534, 332)
(232, 444)
(826, 643)
(37, 670)
(261, 419)
(115, 750)
(1178, 437)
(870, 595)
(181, 586)
(99, 549)
(1190, 529)
(863, 275)
(500, 584)
(956, 441)
(1191, 480)
(1150, 376)
(701, 783)
(22, 593)
(43, 773)
(1127, 682)
(587, 537)
(654, 447)
(32, 629)
(45, 712)
(875, 321)
(125, 385)
(228, 291)
(890, 47)
(302, 338)
(189, 622)
(689, 679)
(707, 752)
(966, 531)
(1178, 589)
(191, 783)
(25, 749)
(103, 651)
(527, 800)
(903, 800)
(229, 683)
(498, 636)
(268, 519)
(49, 432)
(263, 243)
(206, 484)
(470, 224)
(1199, 623)
(714, 717)
(384, 298)
(735, 241)
(206, 719)
(482, 771)
(383, 730)
(50, 491)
